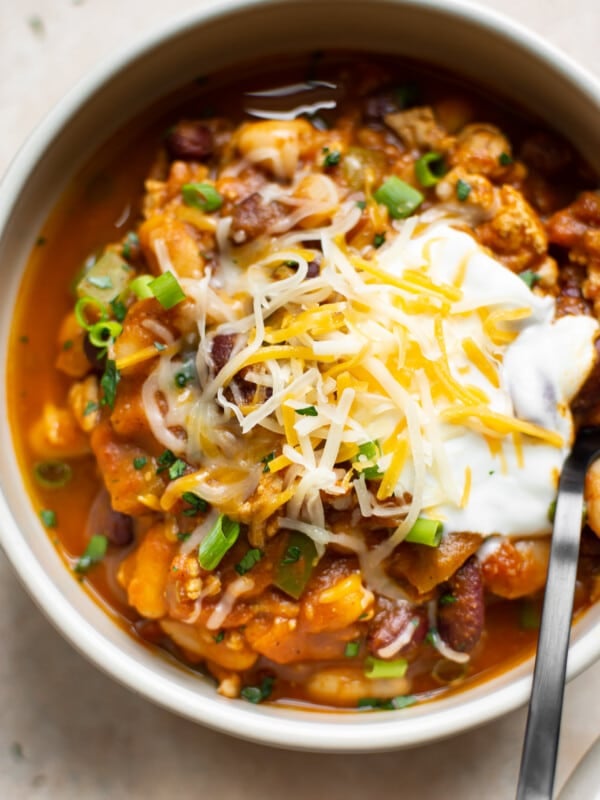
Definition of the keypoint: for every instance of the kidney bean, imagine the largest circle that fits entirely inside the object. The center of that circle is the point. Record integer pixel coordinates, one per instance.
(190, 141)
(102, 519)
(221, 349)
(460, 621)
(391, 619)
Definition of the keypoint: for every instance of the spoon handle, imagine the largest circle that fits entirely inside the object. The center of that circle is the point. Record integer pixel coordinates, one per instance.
(538, 761)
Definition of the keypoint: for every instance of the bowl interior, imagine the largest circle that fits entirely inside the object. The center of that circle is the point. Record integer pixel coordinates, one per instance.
(461, 38)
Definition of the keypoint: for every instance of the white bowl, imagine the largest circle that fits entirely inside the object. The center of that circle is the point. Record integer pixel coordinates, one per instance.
(464, 38)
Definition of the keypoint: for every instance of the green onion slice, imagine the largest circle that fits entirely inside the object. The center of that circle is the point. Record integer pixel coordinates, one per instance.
(221, 537)
(529, 277)
(106, 279)
(94, 552)
(140, 286)
(296, 565)
(426, 531)
(52, 474)
(109, 382)
(48, 518)
(376, 668)
(395, 703)
(250, 560)
(309, 411)
(104, 333)
(401, 198)
(167, 290)
(88, 311)
(201, 195)
(351, 649)
(463, 190)
(429, 169)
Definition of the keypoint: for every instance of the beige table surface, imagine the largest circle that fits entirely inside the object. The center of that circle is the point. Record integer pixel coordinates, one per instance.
(67, 731)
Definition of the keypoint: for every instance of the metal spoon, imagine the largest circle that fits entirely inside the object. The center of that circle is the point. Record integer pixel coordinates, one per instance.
(538, 761)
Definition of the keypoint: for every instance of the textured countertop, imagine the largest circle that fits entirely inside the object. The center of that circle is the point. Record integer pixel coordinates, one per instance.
(66, 730)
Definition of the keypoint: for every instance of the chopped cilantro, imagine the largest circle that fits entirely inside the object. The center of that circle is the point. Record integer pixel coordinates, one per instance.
(219, 637)
(67, 344)
(504, 159)
(165, 460)
(140, 462)
(378, 240)
(362, 204)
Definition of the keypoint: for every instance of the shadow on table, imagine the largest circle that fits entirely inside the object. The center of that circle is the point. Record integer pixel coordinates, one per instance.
(67, 731)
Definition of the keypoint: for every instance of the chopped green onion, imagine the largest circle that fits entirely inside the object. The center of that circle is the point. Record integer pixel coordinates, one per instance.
(552, 511)
(119, 309)
(401, 198)
(426, 531)
(198, 505)
(362, 204)
(94, 552)
(131, 240)
(529, 616)
(139, 462)
(376, 668)
(104, 333)
(332, 159)
(106, 279)
(529, 277)
(165, 460)
(201, 195)
(167, 290)
(48, 518)
(368, 452)
(256, 694)
(378, 240)
(267, 460)
(90, 408)
(504, 159)
(250, 560)
(186, 374)
(221, 537)
(309, 411)
(177, 469)
(67, 344)
(140, 286)
(429, 169)
(296, 566)
(351, 649)
(219, 637)
(447, 599)
(394, 704)
(463, 190)
(81, 311)
(109, 382)
(292, 554)
(52, 474)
